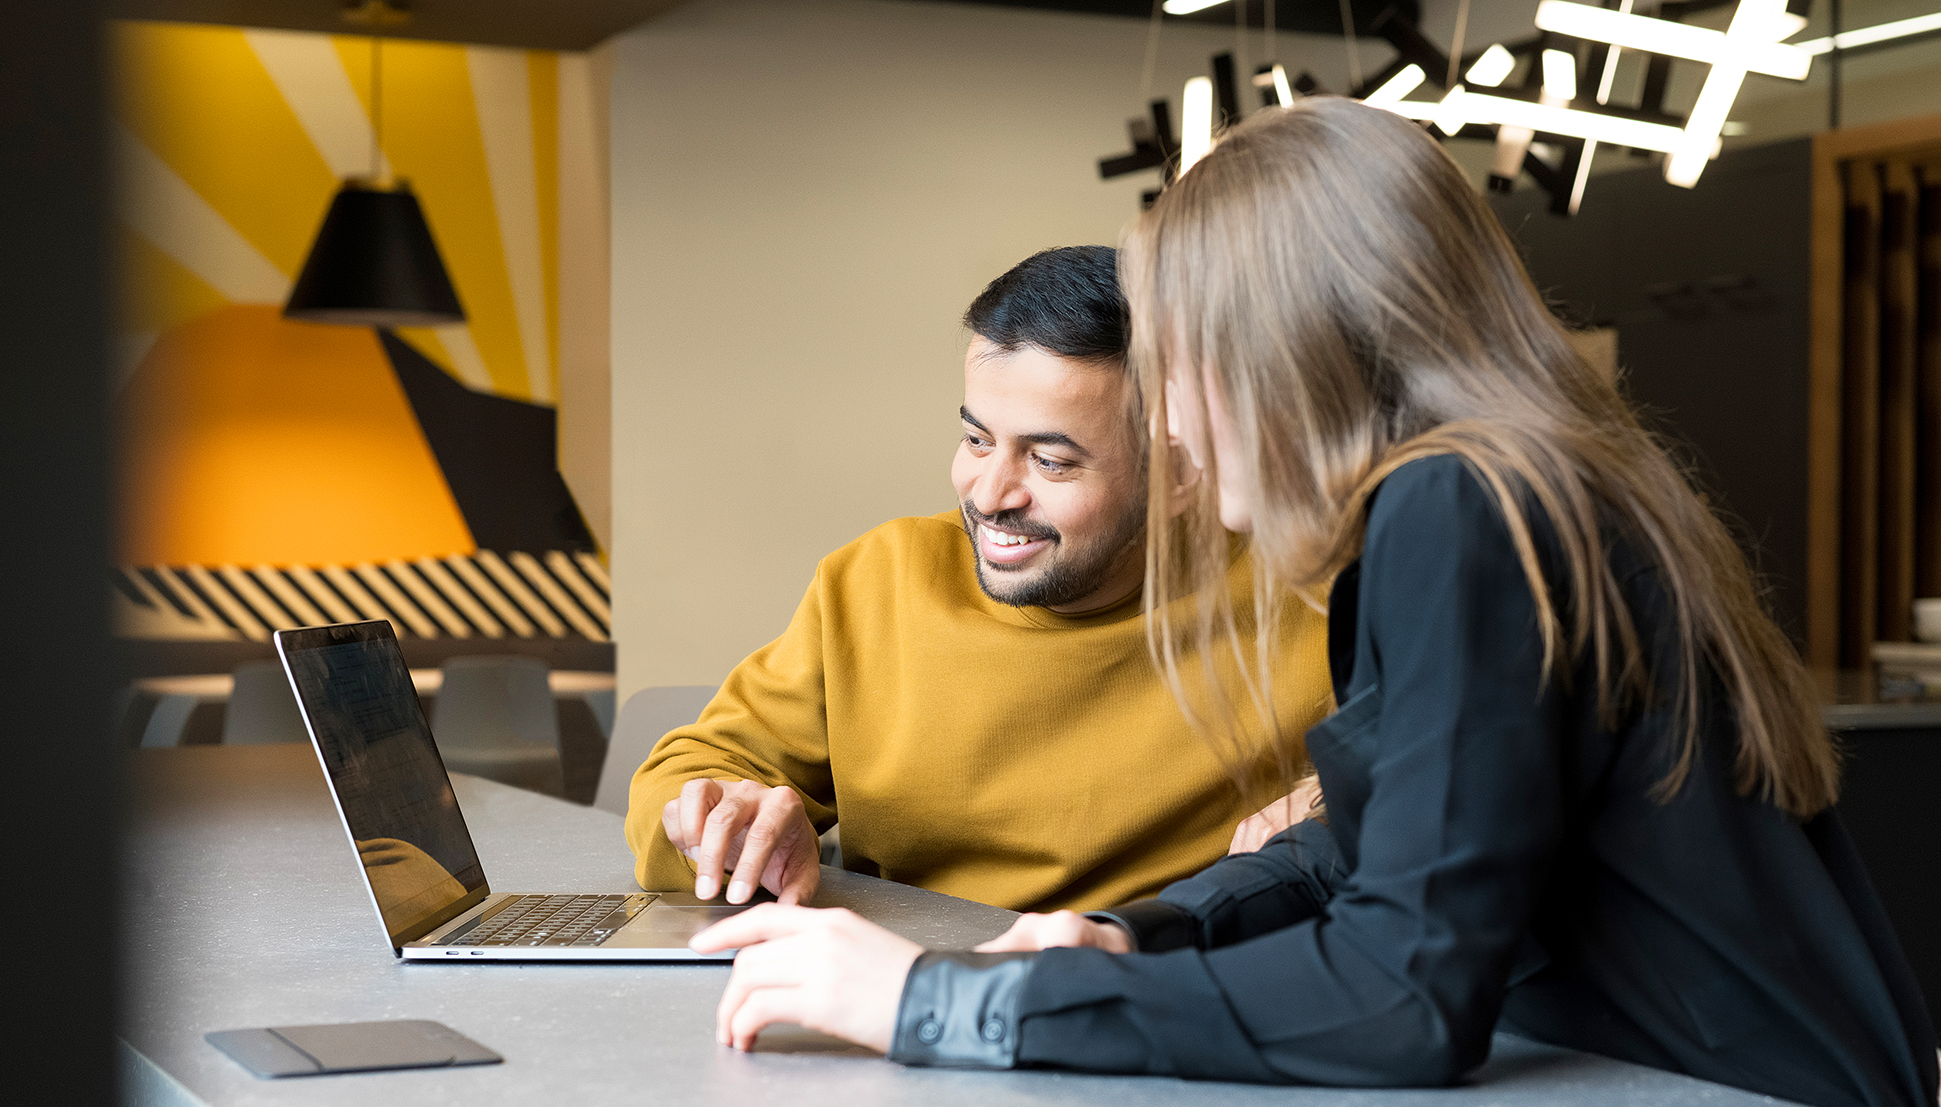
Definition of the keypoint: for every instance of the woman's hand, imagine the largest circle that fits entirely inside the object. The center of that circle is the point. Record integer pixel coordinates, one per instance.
(1060, 928)
(1255, 829)
(830, 971)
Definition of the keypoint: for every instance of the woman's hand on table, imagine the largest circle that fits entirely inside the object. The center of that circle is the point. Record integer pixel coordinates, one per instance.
(828, 970)
(1255, 829)
(1059, 928)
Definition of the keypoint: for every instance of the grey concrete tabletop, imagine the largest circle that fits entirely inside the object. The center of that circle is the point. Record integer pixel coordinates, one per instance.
(244, 907)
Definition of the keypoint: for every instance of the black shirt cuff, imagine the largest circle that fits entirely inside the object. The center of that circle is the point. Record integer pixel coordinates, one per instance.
(960, 1010)
(1154, 926)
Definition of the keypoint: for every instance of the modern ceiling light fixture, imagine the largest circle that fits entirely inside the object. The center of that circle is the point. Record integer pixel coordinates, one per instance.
(1542, 129)
(1750, 44)
(1753, 47)
(374, 263)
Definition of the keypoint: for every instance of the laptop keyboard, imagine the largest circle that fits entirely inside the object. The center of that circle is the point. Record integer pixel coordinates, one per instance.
(552, 921)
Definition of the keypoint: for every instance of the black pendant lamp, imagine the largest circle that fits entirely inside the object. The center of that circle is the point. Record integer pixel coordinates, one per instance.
(374, 263)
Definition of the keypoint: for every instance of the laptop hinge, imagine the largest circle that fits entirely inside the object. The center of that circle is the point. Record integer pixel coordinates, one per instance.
(439, 918)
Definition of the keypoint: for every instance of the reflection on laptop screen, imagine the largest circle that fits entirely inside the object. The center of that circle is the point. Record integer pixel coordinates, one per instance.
(388, 777)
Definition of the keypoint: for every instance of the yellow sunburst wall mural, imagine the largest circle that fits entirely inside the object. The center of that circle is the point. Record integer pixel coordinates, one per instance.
(230, 143)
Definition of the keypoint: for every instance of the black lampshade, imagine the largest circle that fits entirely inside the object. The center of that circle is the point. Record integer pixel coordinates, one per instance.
(374, 264)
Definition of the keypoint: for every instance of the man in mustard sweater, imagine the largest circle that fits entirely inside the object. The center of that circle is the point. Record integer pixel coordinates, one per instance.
(971, 692)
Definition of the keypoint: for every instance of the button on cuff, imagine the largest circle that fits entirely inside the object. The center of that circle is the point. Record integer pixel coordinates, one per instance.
(960, 1010)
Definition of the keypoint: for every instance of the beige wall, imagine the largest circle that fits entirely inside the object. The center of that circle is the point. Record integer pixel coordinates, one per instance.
(585, 333)
(806, 195)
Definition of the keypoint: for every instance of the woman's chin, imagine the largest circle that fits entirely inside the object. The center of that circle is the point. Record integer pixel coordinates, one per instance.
(1236, 517)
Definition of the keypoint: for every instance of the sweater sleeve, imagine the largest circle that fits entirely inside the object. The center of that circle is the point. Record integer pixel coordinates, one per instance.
(768, 724)
(1400, 978)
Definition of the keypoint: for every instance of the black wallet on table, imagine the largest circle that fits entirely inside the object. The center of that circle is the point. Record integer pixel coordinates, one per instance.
(350, 1047)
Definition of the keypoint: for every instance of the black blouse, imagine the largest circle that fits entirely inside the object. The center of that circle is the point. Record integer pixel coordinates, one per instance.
(1492, 856)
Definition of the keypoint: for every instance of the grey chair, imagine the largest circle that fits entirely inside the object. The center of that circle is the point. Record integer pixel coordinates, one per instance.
(149, 719)
(132, 709)
(494, 717)
(647, 715)
(262, 710)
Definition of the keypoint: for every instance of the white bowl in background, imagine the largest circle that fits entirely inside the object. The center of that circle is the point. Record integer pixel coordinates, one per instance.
(1927, 619)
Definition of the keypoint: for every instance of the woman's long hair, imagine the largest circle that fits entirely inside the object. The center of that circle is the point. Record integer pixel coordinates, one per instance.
(1330, 272)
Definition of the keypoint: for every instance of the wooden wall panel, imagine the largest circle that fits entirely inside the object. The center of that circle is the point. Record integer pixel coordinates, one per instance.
(1874, 486)
(1894, 598)
(1927, 351)
(1860, 417)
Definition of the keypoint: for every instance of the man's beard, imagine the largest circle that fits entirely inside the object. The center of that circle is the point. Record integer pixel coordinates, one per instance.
(1071, 575)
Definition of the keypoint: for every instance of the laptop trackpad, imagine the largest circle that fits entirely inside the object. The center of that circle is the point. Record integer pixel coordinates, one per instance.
(661, 927)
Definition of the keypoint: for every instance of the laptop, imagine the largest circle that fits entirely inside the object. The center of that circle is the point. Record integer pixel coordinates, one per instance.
(409, 837)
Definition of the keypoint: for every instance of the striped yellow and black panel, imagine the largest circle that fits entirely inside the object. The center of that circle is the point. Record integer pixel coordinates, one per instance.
(552, 594)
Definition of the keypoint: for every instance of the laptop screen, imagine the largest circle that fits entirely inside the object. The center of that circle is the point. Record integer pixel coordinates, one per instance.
(390, 783)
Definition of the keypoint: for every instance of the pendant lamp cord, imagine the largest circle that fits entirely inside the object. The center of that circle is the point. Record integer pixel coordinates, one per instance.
(1152, 53)
(1267, 28)
(1240, 69)
(1354, 49)
(377, 107)
(1455, 48)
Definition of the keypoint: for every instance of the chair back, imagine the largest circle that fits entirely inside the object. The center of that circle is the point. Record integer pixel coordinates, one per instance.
(495, 718)
(493, 703)
(262, 710)
(647, 716)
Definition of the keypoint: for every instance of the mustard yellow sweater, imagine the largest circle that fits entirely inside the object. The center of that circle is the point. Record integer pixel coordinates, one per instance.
(1002, 754)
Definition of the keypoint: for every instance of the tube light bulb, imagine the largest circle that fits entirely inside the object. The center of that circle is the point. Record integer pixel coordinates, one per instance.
(1282, 90)
(1511, 144)
(1196, 124)
(1559, 75)
(1451, 114)
(1461, 107)
(1610, 68)
(1867, 36)
(1397, 86)
(1493, 68)
(1188, 7)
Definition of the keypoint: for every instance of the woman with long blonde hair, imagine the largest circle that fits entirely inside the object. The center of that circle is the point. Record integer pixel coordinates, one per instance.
(1577, 786)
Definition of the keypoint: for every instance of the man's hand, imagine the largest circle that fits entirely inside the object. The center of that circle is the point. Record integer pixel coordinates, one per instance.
(760, 834)
(1255, 829)
(830, 971)
(1060, 928)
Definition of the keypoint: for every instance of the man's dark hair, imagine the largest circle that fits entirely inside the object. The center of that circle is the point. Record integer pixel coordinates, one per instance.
(1064, 301)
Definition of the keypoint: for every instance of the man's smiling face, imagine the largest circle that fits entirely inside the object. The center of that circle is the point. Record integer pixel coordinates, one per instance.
(1051, 477)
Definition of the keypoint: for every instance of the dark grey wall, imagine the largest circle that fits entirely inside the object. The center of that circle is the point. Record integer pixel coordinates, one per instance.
(1707, 288)
(57, 793)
